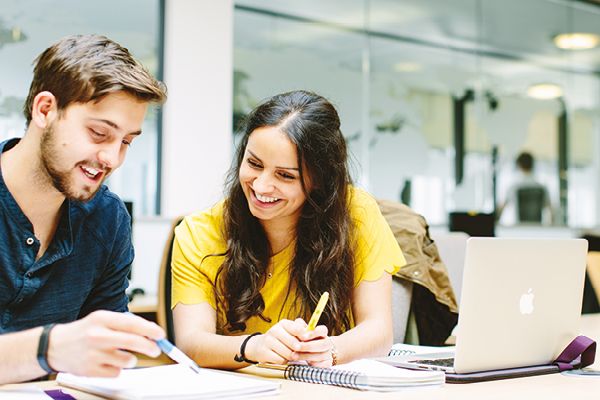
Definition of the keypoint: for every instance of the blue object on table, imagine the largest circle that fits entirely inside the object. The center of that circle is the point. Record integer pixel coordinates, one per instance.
(177, 355)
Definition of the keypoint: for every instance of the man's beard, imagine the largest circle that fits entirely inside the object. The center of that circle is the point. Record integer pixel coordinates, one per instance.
(60, 179)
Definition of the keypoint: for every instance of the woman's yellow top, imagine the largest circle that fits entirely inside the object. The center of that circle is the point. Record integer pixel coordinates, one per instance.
(201, 234)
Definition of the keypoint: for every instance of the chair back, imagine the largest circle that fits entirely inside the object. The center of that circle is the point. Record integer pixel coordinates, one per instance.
(164, 315)
(401, 298)
(452, 247)
(472, 223)
(530, 203)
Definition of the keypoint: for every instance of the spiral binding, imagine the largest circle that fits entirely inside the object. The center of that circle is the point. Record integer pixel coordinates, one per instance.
(326, 376)
(400, 352)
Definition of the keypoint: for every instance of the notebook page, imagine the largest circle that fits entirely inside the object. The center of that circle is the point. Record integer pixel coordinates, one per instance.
(23, 393)
(376, 370)
(173, 382)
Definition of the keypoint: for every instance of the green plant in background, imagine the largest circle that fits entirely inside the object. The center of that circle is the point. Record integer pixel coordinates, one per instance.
(11, 105)
(243, 103)
(10, 35)
(392, 125)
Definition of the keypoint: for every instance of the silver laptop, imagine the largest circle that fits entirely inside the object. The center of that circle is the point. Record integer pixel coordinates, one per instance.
(520, 305)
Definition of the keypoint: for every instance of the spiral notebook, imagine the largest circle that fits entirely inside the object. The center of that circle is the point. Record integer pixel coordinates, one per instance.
(403, 349)
(360, 374)
(171, 382)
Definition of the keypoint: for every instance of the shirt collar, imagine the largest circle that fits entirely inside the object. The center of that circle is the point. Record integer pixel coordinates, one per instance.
(6, 198)
(63, 237)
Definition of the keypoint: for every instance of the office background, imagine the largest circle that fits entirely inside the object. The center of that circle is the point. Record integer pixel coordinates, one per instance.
(436, 97)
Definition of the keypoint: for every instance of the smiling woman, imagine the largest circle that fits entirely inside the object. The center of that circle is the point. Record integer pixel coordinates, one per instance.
(248, 272)
(270, 179)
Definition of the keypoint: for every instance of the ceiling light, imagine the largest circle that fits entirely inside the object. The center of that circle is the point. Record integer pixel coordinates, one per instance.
(576, 41)
(407, 67)
(544, 91)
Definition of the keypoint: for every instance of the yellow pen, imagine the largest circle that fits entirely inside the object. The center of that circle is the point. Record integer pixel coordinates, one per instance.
(314, 320)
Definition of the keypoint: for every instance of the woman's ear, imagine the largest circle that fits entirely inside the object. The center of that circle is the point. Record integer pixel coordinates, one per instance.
(44, 109)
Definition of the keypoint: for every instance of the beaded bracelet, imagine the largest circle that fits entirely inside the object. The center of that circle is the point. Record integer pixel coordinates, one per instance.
(334, 352)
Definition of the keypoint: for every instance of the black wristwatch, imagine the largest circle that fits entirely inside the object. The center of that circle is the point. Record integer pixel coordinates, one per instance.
(42, 351)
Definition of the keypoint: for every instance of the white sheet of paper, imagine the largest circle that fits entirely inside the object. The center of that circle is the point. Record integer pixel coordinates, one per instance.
(24, 393)
(172, 382)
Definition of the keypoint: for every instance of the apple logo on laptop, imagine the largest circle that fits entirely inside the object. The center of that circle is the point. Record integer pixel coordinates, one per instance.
(526, 302)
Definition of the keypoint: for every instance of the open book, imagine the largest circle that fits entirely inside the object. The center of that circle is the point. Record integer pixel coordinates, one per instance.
(172, 382)
(360, 374)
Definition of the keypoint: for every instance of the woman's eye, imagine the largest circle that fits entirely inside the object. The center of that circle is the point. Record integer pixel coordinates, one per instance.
(287, 176)
(254, 164)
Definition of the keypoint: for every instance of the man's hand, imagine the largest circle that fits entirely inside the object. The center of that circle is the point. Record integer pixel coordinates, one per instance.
(100, 344)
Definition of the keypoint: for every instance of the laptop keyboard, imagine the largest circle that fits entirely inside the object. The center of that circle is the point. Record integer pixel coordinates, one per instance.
(442, 362)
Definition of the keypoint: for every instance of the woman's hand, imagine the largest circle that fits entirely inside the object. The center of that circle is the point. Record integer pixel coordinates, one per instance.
(316, 347)
(279, 344)
(290, 341)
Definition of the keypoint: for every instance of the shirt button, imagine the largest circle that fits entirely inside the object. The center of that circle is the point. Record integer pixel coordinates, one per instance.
(29, 241)
(29, 274)
(20, 300)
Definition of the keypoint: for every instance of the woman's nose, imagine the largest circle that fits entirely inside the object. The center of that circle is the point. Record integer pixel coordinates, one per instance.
(263, 183)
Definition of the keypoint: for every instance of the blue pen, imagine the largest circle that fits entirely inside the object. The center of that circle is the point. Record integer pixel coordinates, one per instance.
(177, 355)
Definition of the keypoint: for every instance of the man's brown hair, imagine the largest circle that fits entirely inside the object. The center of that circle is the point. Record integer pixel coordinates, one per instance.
(84, 68)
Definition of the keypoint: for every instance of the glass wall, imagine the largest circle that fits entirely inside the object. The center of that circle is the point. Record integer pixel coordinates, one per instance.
(27, 28)
(400, 71)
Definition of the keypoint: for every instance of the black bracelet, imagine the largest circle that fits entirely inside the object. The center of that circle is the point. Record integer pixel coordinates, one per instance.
(242, 356)
(42, 351)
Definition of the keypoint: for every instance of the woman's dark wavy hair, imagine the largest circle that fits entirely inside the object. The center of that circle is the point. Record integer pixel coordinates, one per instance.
(324, 260)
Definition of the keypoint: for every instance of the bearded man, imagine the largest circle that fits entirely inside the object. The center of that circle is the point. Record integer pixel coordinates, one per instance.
(65, 239)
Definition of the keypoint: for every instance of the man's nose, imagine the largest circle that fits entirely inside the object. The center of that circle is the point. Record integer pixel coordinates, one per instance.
(110, 155)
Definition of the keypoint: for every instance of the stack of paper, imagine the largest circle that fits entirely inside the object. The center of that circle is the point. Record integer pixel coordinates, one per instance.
(171, 382)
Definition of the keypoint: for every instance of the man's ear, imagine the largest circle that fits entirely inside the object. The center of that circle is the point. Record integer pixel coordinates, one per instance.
(44, 109)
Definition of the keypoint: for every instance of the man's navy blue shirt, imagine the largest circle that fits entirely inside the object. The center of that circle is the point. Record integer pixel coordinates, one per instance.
(84, 268)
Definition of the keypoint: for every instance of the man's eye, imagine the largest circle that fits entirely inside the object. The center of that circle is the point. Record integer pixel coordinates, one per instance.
(97, 134)
(126, 142)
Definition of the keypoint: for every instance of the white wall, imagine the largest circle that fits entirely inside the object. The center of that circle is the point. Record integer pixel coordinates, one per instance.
(197, 132)
(197, 136)
(149, 239)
